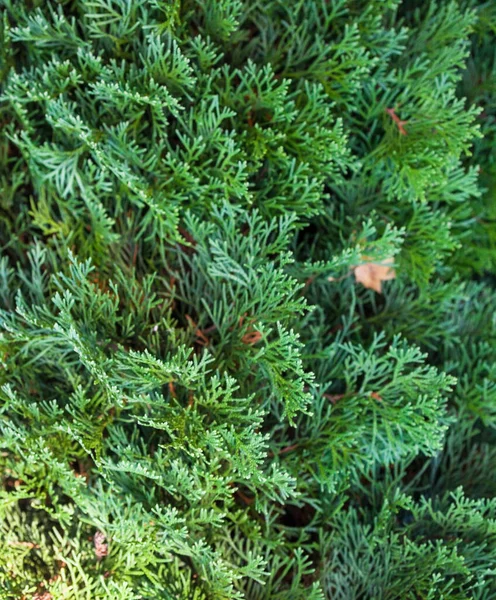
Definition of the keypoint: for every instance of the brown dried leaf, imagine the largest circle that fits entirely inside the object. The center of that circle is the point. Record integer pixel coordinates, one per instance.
(399, 123)
(334, 397)
(17, 544)
(101, 548)
(371, 275)
(252, 337)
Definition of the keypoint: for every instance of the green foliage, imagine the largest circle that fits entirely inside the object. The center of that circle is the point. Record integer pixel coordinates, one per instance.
(198, 400)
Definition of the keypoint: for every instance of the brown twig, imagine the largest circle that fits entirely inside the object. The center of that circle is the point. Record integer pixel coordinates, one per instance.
(391, 112)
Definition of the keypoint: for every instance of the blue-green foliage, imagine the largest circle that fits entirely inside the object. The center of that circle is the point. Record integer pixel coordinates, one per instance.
(197, 398)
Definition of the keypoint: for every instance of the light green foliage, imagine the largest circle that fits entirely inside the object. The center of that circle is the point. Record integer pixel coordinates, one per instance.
(197, 398)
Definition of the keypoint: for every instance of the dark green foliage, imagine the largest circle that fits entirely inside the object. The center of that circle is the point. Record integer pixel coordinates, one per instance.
(197, 398)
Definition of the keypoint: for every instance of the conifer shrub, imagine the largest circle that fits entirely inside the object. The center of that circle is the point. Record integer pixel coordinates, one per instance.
(247, 299)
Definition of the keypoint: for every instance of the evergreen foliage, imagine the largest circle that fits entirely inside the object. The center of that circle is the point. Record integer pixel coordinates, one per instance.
(198, 400)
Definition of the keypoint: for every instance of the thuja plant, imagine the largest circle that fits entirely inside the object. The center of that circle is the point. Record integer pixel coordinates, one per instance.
(247, 294)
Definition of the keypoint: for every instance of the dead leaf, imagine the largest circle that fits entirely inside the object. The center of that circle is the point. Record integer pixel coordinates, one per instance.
(371, 275)
(334, 397)
(202, 339)
(252, 337)
(29, 545)
(399, 123)
(101, 548)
